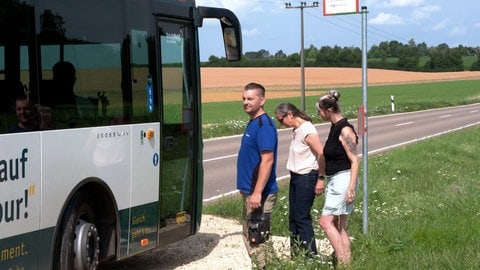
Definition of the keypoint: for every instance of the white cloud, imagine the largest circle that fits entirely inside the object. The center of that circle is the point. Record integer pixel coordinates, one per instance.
(424, 12)
(441, 25)
(458, 31)
(387, 19)
(403, 3)
(250, 32)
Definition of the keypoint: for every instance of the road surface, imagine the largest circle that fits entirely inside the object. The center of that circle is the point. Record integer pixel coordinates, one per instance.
(384, 132)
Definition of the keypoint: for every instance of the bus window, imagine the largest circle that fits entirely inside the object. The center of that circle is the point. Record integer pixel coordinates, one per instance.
(14, 65)
(143, 81)
(93, 84)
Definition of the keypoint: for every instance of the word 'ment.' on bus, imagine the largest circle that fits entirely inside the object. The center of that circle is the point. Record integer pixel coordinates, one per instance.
(100, 128)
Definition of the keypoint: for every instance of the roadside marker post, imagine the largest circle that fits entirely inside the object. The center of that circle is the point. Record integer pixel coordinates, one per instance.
(392, 98)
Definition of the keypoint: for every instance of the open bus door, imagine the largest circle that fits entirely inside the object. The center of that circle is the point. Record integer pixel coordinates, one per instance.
(179, 147)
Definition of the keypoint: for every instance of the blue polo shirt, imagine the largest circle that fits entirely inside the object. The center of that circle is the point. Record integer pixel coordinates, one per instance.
(260, 135)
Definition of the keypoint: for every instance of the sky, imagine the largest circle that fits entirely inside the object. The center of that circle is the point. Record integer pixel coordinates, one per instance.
(268, 25)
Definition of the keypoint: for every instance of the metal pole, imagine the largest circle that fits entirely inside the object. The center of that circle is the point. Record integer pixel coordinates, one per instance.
(302, 60)
(365, 135)
(302, 57)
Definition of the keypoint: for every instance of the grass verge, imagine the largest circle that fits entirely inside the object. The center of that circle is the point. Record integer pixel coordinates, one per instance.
(423, 209)
(228, 118)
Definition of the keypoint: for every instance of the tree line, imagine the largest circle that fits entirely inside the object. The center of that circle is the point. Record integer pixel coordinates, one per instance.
(386, 55)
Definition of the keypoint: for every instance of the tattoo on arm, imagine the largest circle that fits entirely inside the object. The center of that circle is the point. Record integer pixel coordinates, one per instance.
(352, 146)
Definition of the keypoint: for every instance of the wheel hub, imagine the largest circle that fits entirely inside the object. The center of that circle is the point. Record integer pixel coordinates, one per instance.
(86, 246)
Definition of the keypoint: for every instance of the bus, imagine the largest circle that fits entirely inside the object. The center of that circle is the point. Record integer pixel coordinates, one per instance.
(100, 128)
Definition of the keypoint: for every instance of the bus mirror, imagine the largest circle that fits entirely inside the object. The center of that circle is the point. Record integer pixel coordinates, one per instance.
(231, 45)
(232, 36)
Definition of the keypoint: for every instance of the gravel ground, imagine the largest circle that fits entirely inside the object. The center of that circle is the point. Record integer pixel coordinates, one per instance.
(218, 245)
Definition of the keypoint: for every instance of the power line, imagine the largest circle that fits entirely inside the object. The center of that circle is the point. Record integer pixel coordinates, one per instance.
(354, 23)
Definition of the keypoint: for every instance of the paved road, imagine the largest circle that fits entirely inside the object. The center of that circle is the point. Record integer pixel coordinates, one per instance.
(384, 132)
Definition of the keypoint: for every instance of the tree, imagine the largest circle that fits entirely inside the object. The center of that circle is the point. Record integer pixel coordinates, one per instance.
(408, 62)
(326, 57)
(213, 59)
(294, 59)
(280, 55)
(52, 26)
(311, 56)
(442, 58)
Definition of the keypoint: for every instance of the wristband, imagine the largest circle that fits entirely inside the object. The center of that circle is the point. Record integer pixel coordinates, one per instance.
(321, 177)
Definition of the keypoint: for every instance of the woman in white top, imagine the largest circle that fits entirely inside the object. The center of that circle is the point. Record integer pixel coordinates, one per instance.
(307, 169)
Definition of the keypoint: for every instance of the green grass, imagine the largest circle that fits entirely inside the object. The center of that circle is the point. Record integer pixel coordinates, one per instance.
(423, 208)
(228, 118)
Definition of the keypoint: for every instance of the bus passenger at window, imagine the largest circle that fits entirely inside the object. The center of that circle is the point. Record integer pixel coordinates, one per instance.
(64, 77)
(45, 117)
(25, 112)
(78, 107)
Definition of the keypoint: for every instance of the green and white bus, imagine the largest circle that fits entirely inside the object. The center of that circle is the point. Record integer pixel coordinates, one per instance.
(109, 164)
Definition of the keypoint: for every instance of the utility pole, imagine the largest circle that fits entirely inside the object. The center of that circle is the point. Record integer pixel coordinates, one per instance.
(302, 57)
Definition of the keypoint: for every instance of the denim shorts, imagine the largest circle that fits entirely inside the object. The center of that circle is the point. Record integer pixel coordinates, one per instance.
(336, 195)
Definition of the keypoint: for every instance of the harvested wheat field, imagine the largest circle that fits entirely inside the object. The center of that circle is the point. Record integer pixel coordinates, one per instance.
(226, 84)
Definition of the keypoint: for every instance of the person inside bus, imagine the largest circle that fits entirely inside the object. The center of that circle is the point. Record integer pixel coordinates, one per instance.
(73, 107)
(45, 117)
(64, 78)
(25, 112)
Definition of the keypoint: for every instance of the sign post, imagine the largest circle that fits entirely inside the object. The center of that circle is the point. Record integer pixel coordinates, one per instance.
(342, 7)
(365, 135)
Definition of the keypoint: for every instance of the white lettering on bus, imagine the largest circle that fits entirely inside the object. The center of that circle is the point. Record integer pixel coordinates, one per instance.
(10, 170)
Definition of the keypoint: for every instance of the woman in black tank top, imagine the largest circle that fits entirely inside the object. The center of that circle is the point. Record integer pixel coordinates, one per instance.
(341, 168)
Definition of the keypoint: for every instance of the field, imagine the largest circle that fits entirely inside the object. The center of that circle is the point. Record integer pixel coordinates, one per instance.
(226, 84)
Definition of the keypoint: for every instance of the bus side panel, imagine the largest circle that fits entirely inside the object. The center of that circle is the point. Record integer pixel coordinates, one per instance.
(115, 155)
(143, 220)
(20, 197)
(70, 156)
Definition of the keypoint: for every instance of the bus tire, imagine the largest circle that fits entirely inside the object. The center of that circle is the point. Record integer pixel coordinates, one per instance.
(78, 244)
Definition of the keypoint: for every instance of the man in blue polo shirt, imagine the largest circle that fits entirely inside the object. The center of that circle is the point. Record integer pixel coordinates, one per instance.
(256, 177)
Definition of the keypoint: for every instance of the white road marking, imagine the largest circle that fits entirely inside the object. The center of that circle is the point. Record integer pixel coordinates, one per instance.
(404, 124)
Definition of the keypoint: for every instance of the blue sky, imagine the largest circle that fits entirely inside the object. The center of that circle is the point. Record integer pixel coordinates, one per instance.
(268, 25)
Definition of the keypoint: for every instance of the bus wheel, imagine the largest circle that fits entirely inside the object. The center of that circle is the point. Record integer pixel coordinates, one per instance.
(86, 246)
(79, 245)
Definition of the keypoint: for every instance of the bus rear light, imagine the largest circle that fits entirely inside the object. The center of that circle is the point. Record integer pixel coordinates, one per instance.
(144, 242)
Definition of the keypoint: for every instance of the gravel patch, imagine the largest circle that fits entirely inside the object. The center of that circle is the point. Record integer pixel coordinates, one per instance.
(218, 245)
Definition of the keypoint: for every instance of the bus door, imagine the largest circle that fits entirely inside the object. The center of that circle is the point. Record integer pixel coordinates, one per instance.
(178, 127)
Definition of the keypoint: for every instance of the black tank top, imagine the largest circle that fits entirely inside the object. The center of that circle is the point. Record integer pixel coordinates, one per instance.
(336, 158)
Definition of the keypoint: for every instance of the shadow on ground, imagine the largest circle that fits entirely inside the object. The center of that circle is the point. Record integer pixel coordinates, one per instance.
(191, 249)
